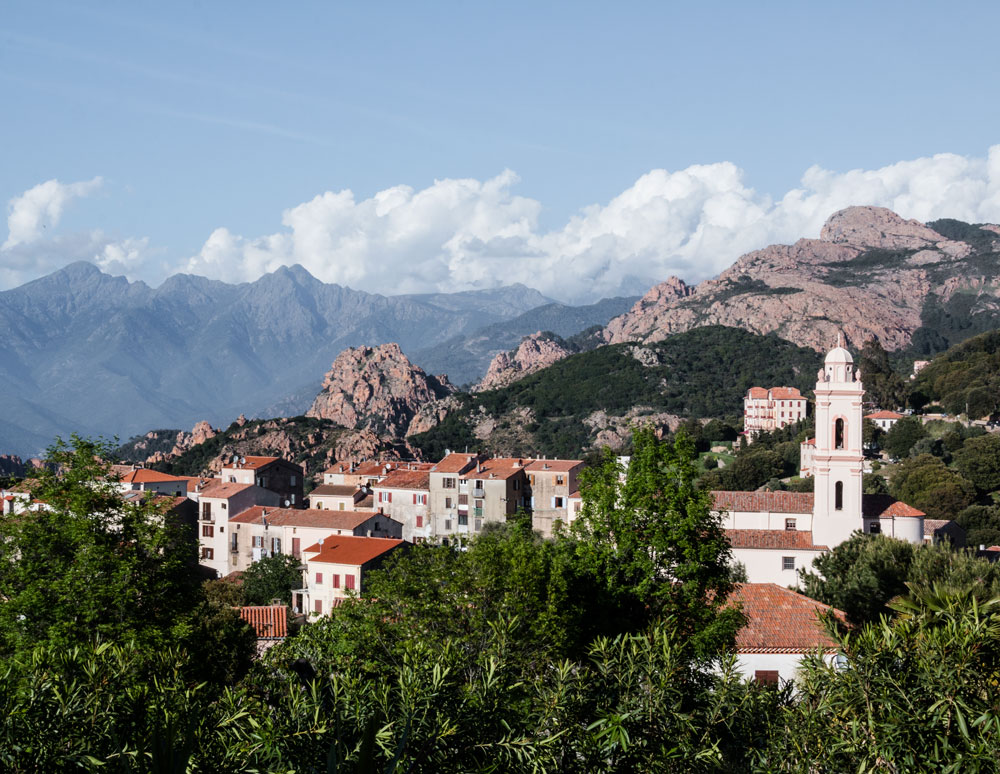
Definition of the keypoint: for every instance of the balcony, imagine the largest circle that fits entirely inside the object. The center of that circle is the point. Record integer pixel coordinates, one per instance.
(478, 493)
(477, 512)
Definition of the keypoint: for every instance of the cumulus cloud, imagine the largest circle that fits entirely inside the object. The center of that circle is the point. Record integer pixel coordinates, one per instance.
(41, 207)
(464, 234)
(467, 234)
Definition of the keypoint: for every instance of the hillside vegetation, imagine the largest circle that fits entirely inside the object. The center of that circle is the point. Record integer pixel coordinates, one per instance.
(560, 411)
(965, 378)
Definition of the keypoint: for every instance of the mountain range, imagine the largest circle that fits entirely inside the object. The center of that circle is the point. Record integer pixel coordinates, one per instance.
(85, 352)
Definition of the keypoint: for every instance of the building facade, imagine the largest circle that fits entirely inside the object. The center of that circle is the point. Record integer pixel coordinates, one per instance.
(280, 476)
(767, 410)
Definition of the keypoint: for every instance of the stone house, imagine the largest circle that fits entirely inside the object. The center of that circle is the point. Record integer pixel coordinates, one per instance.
(280, 476)
(551, 482)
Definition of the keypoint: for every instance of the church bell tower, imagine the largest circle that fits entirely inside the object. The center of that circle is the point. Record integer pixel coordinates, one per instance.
(838, 457)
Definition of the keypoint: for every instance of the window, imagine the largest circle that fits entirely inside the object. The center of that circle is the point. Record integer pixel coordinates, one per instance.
(319, 578)
(258, 541)
(447, 502)
(558, 502)
(292, 498)
(341, 506)
(291, 480)
(207, 530)
(335, 581)
(463, 520)
(319, 504)
(838, 496)
(516, 485)
(206, 511)
(560, 480)
(838, 433)
(790, 525)
(479, 525)
(207, 553)
(318, 605)
(766, 676)
(276, 545)
(463, 499)
(479, 484)
(235, 541)
(232, 479)
(447, 525)
(875, 528)
(788, 563)
(448, 483)
(420, 522)
(223, 506)
(348, 581)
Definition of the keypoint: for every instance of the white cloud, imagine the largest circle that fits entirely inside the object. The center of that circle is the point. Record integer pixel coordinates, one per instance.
(461, 234)
(40, 207)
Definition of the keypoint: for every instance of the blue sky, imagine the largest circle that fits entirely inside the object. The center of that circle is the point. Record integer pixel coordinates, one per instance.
(201, 117)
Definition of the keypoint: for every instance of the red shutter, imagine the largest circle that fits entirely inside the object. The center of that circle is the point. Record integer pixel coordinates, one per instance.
(318, 605)
(319, 577)
(348, 581)
(420, 521)
(336, 581)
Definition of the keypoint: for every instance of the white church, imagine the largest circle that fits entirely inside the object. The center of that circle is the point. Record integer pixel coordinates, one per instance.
(775, 534)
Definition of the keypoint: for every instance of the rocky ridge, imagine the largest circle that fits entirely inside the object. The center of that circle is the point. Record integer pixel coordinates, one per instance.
(377, 389)
(871, 273)
(534, 353)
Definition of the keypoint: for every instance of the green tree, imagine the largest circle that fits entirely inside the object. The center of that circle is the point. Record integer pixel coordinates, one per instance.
(929, 485)
(270, 578)
(981, 524)
(882, 384)
(860, 575)
(874, 483)
(654, 536)
(978, 460)
(903, 435)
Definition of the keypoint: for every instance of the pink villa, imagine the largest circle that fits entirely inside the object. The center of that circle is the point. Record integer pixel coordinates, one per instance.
(766, 410)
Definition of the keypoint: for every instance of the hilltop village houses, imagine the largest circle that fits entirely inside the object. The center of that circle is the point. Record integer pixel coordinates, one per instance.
(362, 512)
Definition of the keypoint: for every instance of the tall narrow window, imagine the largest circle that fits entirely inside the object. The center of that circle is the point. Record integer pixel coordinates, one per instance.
(838, 434)
(838, 496)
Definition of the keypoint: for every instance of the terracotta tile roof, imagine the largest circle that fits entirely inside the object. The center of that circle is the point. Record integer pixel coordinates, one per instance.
(307, 517)
(147, 476)
(269, 622)
(780, 620)
(809, 442)
(365, 504)
(757, 392)
(222, 489)
(341, 549)
(334, 490)
(455, 463)
(405, 479)
(763, 502)
(497, 469)
(251, 463)
(772, 538)
(552, 466)
(785, 393)
(886, 507)
(884, 415)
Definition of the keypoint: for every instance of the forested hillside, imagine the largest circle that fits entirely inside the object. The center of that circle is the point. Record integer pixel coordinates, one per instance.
(562, 409)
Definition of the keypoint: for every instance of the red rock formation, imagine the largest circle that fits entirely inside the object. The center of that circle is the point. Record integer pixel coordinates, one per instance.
(534, 353)
(375, 388)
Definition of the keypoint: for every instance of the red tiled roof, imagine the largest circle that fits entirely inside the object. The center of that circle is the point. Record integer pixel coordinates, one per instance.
(341, 549)
(334, 490)
(785, 393)
(809, 442)
(405, 479)
(757, 392)
(251, 463)
(222, 489)
(499, 468)
(147, 476)
(366, 503)
(763, 502)
(552, 466)
(307, 517)
(269, 622)
(780, 620)
(884, 415)
(886, 507)
(455, 463)
(772, 538)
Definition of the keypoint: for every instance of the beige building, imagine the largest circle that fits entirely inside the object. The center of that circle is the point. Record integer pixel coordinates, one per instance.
(218, 501)
(261, 532)
(338, 497)
(468, 491)
(884, 420)
(367, 474)
(136, 478)
(551, 483)
(335, 569)
(405, 496)
(767, 410)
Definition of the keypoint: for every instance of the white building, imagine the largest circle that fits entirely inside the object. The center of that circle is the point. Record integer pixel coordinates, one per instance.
(335, 569)
(774, 534)
(884, 419)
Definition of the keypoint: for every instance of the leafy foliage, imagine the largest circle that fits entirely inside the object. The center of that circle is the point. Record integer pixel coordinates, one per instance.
(968, 374)
(271, 578)
(927, 484)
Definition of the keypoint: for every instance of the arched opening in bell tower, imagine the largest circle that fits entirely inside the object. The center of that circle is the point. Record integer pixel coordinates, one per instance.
(838, 496)
(838, 433)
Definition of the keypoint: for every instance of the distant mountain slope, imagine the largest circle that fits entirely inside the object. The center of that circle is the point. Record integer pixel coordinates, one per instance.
(871, 272)
(82, 351)
(466, 358)
(594, 397)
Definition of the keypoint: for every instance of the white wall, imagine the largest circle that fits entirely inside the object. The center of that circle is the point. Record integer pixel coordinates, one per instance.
(763, 565)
